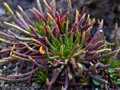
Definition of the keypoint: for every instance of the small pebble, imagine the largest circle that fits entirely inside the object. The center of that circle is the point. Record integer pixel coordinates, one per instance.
(2, 83)
(1, 70)
(23, 88)
(1, 74)
(4, 67)
(12, 89)
(36, 86)
(15, 69)
(41, 89)
(10, 65)
(118, 8)
(28, 89)
(96, 89)
(6, 85)
(17, 88)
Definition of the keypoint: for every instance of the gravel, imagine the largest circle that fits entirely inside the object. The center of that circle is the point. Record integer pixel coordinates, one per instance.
(2, 11)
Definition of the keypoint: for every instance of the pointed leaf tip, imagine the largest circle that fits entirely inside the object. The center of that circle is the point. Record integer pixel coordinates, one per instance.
(101, 31)
(62, 88)
(13, 48)
(69, 76)
(5, 3)
(101, 25)
(41, 50)
(93, 21)
(80, 69)
(47, 82)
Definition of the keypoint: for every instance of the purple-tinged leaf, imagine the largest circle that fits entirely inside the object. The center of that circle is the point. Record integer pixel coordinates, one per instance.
(50, 10)
(34, 31)
(20, 29)
(106, 55)
(25, 16)
(14, 79)
(97, 79)
(20, 38)
(62, 63)
(34, 61)
(25, 74)
(39, 6)
(96, 45)
(54, 24)
(46, 30)
(71, 84)
(21, 67)
(7, 36)
(40, 15)
(22, 20)
(58, 20)
(55, 75)
(7, 42)
(5, 51)
(30, 77)
(64, 17)
(66, 82)
(36, 15)
(97, 36)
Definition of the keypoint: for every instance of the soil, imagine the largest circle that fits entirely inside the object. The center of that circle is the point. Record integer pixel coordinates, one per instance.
(26, 5)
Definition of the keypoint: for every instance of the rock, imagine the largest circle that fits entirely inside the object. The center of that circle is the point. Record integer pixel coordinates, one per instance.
(17, 88)
(23, 88)
(12, 89)
(2, 11)
(1, 74)
(118, 8)
(15, 69)
(1, 71)
(96, 89)
(36, 86)
(2, 83)
(4, 67)
(6, 85)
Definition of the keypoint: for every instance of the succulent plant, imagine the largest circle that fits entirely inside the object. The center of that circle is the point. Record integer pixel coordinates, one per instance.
(59, 44)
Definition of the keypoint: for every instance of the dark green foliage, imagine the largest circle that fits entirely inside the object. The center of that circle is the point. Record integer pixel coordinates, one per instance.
(42, 75)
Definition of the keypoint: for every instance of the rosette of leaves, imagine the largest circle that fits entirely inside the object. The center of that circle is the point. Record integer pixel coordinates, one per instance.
(61, 44)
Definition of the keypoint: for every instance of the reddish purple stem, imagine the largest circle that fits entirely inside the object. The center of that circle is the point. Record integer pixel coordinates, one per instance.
(34, 31)
(71, 84)
(30, 77)
(5, 51)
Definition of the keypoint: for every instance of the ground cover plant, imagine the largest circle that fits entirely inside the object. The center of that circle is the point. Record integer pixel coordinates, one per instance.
(61, 49)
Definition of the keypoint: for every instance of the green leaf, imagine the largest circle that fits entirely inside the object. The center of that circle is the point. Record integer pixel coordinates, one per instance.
(41, 22)
(51, 46)
(61, 40)
(85, 79)
(111, 70)
(111, 75)
(82, 41)
(75, 43)
(96, 82)
(63, 28)
(118, 81)
(80, 70)
(41, 75)
(102, 85)
(66, 31)
(115, 64)
(71, 39)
